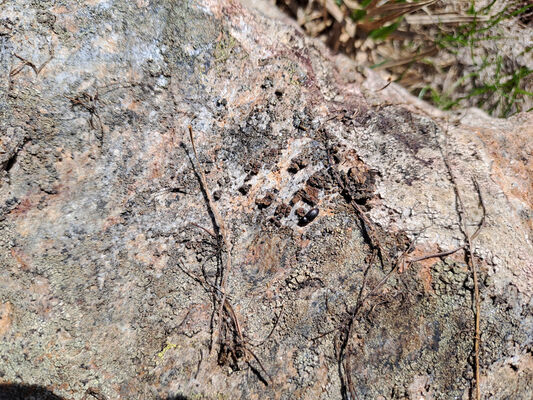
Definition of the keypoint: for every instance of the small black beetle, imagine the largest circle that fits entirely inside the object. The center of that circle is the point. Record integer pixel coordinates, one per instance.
(309, 217)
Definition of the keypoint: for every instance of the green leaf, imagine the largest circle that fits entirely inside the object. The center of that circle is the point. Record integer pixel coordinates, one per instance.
(358, 15)
(384, 31)
(521, 10)
(524, 92)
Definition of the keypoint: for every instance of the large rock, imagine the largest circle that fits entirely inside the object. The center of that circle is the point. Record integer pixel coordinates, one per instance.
(106, 239)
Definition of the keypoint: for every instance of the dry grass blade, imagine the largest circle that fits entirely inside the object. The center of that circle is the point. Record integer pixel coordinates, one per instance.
(334, 10)
(392, 35)
(432, 51)
(398, 8)
(444, 19)
(388, 12)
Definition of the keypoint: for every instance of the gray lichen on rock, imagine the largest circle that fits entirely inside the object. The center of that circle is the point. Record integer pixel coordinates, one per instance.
(102, 212)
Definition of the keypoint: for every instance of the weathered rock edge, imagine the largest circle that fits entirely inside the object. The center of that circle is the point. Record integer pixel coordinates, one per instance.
(98, 202)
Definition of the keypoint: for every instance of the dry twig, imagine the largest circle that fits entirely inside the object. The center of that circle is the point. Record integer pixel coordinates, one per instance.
(236, 347)
(472, 263)
(94, 393)
(28, 63)
(343, 340)
(89, 102)
(272, 330)
(343, 346)
(461, 211)
(220, 232)
(368, 227)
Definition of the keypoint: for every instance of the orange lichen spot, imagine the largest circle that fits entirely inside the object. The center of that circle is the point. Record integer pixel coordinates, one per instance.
(59, 10)
(6, 317)
(110, 221)
(133, 105)
(425, 274)
(512, 164)
(265, 253)
(156, 170)
(24, 206)
(424, 271)
(20, 258)
(107, 44)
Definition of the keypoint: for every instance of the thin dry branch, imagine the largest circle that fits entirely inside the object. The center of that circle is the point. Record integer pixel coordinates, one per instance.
(222, 236)
(30, 64)
(89, 102)
(461, 210)
(449, 18)
(435, 255)
(473, 267)
(218, 222)
(204, 229)
(238, 344)
(95, 393)
(477, 328)
(368, 227)
(272, 330)
(343, 340)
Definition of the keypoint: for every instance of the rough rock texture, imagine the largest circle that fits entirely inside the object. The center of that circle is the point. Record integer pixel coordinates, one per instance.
(105, 233)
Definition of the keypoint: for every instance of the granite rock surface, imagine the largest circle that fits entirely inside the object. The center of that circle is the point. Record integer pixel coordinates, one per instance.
(108, 251)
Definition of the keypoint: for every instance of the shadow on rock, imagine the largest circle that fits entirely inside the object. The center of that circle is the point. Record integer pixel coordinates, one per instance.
(35, 392)
(26, 392)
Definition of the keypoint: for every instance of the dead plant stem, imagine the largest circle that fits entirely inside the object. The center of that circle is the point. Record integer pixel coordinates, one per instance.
(472, 264)
(225, 307)
(221, 235)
